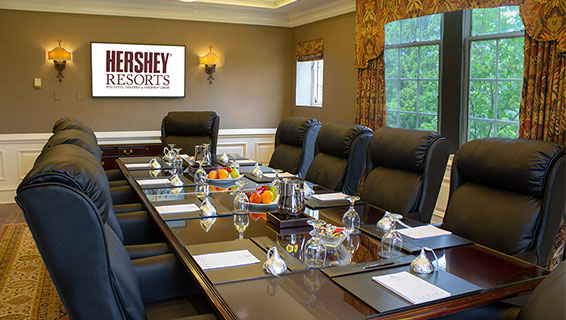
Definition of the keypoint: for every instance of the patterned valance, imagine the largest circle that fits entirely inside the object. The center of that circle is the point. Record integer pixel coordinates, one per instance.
(310, 50)
(545, 20)
(373, 15)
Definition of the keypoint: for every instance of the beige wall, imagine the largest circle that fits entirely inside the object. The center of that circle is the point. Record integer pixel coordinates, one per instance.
(339, 82)
(253, 85)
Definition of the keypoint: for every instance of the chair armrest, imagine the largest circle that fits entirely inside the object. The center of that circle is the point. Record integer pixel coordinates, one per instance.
(162, 278)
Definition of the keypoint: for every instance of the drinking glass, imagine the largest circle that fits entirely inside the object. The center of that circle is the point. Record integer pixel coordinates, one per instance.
(206, 154)
(241, 201)
(276, 181)
(391, 242)
(200, 175)
(241, 222)
(314, 252)
(178, 161)
(351, 219)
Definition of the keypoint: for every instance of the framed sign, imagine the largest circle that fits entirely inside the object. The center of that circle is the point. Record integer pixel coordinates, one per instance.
(137, 70)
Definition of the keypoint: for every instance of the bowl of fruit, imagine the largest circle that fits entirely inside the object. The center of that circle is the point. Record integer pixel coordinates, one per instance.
(223, 174)
(263, 197)
(332, 236)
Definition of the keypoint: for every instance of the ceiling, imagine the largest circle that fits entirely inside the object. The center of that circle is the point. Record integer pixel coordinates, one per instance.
(282, 13)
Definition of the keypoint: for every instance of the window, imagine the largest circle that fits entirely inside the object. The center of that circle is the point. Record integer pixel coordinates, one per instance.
(412, 49)
(309, 83)
(495, 42)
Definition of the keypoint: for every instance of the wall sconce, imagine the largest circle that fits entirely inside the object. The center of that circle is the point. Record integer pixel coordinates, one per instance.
(209, 60)
(59, 55)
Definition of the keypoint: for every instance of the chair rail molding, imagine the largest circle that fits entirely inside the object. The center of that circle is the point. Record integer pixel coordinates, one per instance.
(19, 151)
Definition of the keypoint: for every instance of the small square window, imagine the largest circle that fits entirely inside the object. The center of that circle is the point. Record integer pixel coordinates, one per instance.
(309, 83)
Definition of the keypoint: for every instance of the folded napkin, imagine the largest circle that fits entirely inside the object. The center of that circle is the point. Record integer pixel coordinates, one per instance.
(423, 232)
(281, 175)
(225, 259)
(411, 287)
(153, 181)
(175, 208)
(330, 196)
(136, 165)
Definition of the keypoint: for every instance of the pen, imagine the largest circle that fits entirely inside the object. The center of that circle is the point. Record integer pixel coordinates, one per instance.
(382, 264)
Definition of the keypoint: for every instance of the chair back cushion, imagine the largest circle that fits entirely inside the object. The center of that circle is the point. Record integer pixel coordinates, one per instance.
(501, 194)
(76, 137)
(67, 123)
(186, 129)
(398, 178)
(340, 156)
(294, 144)
(74, 166)
(515, 165)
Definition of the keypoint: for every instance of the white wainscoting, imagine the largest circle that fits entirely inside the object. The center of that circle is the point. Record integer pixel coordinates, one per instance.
(19, 151)
(442, 200)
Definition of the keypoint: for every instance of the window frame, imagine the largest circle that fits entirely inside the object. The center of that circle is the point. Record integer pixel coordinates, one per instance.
(468, 39)
(315, 83)
(417, 44)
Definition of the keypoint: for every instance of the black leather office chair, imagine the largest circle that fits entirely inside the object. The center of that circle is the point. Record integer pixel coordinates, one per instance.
(340, 156)
(404, 171)
(545, 302)
(92, 271)
(70, 123)
(508, 194)
(186, 129)
(294, 145)
(70, 163)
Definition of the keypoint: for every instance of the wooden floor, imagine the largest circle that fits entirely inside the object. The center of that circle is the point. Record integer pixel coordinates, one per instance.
(10, 213)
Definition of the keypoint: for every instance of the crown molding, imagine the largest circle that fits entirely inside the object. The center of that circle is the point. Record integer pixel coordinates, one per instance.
(332, 9)
(203, 12)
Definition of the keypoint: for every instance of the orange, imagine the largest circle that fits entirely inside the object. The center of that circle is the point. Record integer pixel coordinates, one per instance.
(213, 174)
(222, 174)
(266, 197)
(255, 197)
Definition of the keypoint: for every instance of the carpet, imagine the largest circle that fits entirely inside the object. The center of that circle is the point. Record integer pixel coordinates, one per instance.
(26, 290)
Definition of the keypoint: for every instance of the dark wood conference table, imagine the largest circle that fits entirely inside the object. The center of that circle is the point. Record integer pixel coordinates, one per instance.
(475, 275)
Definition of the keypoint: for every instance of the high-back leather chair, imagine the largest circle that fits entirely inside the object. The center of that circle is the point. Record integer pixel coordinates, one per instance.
(294, 145)
(86, 140)
(508, 194)
(63, 201)
(404, 171)
(186, 129)
(340, 156)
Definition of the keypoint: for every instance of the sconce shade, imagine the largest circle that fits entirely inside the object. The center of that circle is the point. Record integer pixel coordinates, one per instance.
(59, 53)
(210, 58)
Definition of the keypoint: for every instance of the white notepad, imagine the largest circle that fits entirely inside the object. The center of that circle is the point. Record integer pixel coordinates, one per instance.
(271, 175)
(411, 287)
(225, 259)
(245, 162)
(136, 165)
(153, 181)
(330, 196)
(175, 208)
(423, 232)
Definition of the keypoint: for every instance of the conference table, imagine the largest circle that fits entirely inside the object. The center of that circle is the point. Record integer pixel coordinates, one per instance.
(472, 274)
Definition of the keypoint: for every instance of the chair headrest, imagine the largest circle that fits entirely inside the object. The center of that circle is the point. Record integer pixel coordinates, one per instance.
(67, 123)
(513, 164)
(292, 130)
(336, 138)
(189, 123)
(73, 166)
(401, 148)
(75, 137)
